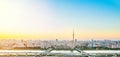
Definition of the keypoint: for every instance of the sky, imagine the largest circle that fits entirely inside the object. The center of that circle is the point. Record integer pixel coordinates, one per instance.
(56, 19)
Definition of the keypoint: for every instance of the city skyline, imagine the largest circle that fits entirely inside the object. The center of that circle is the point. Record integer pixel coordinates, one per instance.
(51, 19)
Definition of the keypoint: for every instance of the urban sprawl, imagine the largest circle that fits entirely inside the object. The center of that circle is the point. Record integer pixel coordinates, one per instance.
(59, 44)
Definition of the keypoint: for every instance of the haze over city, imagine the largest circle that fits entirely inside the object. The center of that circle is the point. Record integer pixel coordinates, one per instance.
(56, 19)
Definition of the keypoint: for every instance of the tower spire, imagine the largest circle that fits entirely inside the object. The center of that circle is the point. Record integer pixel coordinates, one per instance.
(73, 36)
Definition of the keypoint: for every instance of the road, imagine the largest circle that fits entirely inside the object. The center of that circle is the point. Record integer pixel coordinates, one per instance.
(55, 56)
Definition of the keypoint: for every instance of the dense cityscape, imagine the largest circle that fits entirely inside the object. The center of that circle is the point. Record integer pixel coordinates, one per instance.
(59, 44)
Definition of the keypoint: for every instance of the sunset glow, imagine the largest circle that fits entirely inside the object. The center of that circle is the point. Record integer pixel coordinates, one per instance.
(55, 19)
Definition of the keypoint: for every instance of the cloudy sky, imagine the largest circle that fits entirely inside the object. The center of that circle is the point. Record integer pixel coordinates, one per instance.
(51, 19)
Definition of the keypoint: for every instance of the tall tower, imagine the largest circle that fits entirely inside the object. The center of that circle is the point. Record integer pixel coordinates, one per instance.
(73, 40)
(73, 36)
